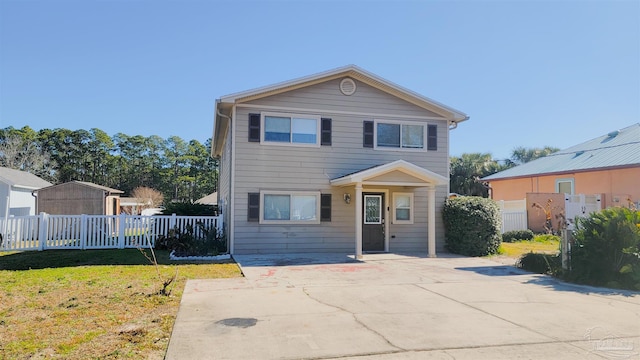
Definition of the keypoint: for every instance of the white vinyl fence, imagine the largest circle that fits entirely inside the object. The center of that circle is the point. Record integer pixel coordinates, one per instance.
(44, 231)
(514, 214)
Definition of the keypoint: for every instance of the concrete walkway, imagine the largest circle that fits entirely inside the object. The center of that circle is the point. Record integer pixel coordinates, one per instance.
(314, 306)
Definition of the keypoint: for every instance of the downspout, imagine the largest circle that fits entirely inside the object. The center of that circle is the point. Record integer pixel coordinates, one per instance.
(33, 193)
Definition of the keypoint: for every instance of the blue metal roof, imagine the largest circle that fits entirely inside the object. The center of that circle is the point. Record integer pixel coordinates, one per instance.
(620, 148)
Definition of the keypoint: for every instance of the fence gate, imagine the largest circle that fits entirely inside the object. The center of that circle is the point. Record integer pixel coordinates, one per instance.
(580, 205)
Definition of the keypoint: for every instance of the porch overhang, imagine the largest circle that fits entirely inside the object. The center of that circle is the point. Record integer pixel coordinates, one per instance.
(396, 173)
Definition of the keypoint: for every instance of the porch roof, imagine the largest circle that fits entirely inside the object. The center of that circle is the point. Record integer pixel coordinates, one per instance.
(396, 173)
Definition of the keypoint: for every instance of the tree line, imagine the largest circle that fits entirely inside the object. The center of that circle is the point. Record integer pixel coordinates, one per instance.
(467, 170)
(181, 170)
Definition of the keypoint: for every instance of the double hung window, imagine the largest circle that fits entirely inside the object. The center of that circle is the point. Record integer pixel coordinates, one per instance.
(291, 129)
(403, 208)
(286, 207)
(403, 136)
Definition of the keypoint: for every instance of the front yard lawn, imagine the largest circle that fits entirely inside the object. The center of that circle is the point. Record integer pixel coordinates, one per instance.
(101, 304)
(519, 248)
(509, 253)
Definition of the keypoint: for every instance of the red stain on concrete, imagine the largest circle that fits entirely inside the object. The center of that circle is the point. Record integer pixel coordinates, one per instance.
(269, 273)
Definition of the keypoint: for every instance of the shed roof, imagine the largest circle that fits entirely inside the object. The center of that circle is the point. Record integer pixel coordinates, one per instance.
(22, 179)
(619, 148)
(88, 184)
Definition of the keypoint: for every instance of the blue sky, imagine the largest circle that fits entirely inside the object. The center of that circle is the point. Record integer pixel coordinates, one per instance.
(529, 73)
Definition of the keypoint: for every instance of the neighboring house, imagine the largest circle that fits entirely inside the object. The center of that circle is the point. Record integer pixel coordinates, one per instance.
(211, 199)
(79, 197)
(15, 192)
(608, 165)
(333, 162)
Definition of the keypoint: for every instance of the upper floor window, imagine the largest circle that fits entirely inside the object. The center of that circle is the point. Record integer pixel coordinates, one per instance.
(400, 135)
(406, 136)
(291, 129)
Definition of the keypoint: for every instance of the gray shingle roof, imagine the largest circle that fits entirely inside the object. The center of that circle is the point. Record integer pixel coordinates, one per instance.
(88, 184)
(23, 179)
(620, 148)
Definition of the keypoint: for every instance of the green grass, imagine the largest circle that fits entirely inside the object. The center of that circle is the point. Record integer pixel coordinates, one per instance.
(73, 304)
(540, 244)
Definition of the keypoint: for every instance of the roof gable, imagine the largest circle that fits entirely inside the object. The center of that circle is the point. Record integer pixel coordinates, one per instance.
(357, 74)
(620, 148)
(225, 103)
(396, 173)
(22, 179)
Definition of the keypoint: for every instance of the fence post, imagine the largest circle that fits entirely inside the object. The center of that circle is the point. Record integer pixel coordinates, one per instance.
(172, 222)
(83, 231)
(43, 224)
(121, 226)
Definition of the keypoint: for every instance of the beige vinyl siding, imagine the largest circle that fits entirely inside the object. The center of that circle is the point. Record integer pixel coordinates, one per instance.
(291, 168)
(224, 182)
(327, 96)
(413, 237)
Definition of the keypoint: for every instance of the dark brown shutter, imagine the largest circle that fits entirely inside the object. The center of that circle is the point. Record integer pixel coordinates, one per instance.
(367, 134)
(432, 137)
(254, 127)
(325, 139)
(253, 211)
(325, 207)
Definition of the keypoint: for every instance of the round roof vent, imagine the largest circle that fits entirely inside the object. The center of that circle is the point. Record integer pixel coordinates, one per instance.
(347, 86)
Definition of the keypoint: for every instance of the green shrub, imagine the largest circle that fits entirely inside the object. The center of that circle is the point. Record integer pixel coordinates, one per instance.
(472, 225)
(540, 263)
(187, 242)
(515, 235)
(607, 249)
(189, 209)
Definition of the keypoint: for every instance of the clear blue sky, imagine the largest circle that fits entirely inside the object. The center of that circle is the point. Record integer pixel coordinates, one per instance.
(529, 73)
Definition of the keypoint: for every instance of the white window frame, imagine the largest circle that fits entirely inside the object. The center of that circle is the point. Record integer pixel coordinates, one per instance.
(411, 206)
(396, 122)
(565, 180)
(263, 115)
(291, 194)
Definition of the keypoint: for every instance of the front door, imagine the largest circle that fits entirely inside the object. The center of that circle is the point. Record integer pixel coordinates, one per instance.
(373, 222)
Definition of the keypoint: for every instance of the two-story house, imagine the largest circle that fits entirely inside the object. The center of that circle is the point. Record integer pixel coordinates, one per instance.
(340, 161)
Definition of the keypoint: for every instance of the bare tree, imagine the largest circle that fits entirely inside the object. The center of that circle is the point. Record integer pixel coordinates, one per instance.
(19, 154)
(152, 198)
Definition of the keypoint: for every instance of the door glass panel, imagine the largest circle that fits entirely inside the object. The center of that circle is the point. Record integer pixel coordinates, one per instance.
(373, 209)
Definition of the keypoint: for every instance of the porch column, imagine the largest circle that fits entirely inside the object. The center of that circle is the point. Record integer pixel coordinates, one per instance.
(358, 220)
(431, 219)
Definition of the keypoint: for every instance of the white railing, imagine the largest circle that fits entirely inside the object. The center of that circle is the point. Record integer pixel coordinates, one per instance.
(514, 214)
(44, 231)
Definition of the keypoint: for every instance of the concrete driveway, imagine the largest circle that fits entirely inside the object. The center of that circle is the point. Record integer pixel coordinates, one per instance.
(314, 306)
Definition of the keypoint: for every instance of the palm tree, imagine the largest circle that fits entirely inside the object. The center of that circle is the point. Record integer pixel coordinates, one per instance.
(521, 155)
(467, 170)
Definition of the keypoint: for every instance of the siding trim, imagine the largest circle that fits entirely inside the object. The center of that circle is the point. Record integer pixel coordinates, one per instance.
(340, 112)
(232, 182)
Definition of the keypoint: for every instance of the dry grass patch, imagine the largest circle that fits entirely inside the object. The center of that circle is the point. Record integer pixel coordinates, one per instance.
(101, 304)
(519, 248)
